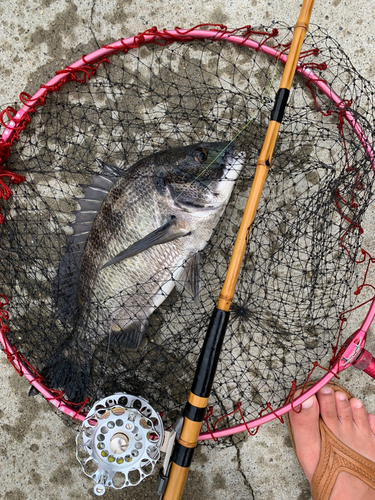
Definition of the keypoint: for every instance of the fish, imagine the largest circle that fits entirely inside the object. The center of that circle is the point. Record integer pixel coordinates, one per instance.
(137, 234)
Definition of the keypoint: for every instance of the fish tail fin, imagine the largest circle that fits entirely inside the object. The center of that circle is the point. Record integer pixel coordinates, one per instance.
(64, 372)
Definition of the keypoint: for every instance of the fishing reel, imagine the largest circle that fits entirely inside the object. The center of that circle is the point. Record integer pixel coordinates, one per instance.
(119, 442)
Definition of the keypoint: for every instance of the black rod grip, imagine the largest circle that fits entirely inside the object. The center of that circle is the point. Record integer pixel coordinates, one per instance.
(281, 101)
(209, 356)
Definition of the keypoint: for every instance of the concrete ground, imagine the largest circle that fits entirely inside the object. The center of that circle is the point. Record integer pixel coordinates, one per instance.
(37, 452)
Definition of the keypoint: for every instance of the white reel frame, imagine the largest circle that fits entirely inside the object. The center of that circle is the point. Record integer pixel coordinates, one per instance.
(119, 442)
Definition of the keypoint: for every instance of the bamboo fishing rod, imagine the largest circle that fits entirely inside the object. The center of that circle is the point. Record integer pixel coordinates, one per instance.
(204, 375)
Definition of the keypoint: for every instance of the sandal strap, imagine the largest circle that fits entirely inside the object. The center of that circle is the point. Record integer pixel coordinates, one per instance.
(336, 457)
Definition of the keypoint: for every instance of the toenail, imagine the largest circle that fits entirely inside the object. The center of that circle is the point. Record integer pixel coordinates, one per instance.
(326, 390)
(308, 403)
(358, 404)
(341, 396)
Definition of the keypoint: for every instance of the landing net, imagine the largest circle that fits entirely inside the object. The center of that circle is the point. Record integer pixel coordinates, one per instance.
(300, 273)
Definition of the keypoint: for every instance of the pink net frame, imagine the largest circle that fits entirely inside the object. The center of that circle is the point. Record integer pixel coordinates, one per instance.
(81, 71)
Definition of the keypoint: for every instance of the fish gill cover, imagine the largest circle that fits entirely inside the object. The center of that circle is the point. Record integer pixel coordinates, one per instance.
(298, 274)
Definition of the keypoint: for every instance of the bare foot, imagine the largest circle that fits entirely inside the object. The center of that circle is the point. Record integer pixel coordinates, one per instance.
(349, 422)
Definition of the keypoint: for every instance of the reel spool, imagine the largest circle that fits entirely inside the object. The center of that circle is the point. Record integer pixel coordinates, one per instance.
(119, 442)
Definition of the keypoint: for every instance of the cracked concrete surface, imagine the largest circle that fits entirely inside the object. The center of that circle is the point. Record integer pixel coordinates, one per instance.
(242, 472)
(37, 452)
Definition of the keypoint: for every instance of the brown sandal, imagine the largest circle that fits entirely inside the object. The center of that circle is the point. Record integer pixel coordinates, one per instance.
(335, 457)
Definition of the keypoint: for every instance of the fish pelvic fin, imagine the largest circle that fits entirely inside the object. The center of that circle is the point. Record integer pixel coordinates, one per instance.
(190, 279)
(129, 337)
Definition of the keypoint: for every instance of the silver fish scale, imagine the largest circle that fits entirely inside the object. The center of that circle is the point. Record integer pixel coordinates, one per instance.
(131, 290)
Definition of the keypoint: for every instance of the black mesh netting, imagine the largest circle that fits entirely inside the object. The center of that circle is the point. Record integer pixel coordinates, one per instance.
(296, 278)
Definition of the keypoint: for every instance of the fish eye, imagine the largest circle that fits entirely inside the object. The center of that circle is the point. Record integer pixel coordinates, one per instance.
(200, 155)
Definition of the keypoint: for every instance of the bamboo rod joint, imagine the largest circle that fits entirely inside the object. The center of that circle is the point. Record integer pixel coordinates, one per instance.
(264, 163)
(301, 25)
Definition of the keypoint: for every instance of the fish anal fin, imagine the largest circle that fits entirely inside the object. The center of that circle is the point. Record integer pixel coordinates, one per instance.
(129, 337)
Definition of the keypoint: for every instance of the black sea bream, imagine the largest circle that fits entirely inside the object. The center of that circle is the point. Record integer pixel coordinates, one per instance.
(138, 232)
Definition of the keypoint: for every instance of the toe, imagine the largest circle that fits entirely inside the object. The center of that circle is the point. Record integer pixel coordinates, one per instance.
(343, 408)
(307, 416)
(359, 413)
(371, 420)
(306, 434)
(327, 405)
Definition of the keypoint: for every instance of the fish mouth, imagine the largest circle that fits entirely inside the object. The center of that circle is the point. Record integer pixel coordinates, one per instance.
(227, 162)
(232, 168)
(209, 195)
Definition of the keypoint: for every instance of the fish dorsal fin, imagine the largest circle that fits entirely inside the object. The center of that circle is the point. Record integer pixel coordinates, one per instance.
(190, 279)
(107, 177)
(65, 285)
(94, 195)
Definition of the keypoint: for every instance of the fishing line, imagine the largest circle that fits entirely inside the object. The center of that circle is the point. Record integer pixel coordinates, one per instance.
(238, 133)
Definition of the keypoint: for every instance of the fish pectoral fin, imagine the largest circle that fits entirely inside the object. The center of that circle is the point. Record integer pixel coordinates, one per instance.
(190, 278)
(168, 232)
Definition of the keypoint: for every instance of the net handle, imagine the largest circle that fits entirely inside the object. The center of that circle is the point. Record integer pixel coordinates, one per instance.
(207, 363)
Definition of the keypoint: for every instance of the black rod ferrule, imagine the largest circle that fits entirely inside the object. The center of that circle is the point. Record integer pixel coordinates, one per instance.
(193, 413)
(209, 356)
(182, 455)
(281, 101)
